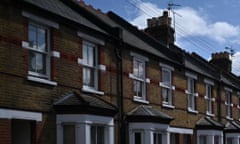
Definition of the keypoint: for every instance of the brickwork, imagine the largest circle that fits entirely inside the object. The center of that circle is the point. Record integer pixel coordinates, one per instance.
(5, 131)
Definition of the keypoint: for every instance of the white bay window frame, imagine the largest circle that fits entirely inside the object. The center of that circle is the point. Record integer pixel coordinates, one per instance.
(83, 123)
(147, 130)
(210, 136)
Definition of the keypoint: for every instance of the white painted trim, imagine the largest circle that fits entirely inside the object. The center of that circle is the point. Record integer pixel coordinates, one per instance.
(191, 75)
(166, 66)
(18, 114)
(210, 114)
(208, 81)
(130, 75)
(102, 67)
(166, 105)
(56, 54)
(44, 81)
(147, 126)
(40, 19)
(140, 99)
(180, 130)
(80, 61)
(192, 111)
(148, 80)
(90, 38)
(141, 57)
(91, 90)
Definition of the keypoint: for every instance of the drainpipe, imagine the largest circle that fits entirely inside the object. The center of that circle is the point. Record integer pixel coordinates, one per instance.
(219, 99)
(121, 124)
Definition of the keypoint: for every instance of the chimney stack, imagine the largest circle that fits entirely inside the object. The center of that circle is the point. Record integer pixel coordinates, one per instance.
(222, 61)
(160, 28)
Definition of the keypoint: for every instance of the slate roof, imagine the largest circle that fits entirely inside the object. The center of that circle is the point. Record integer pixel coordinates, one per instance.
(148, 114)
(208, 123)
(80, 102)
(59, 8)
(232, 126)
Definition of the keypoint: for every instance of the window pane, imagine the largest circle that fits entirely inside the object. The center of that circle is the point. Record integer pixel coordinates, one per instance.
(138, 69)
(97, 135)
(138, 138)
(88, 77)
(216, 139)
(32, 36)
(68, 134)
(166, 77)
(203, 139)
(91, 56)
(157, 138)
(41, 39)
(174, 138)
(138, 88)
(37, 62)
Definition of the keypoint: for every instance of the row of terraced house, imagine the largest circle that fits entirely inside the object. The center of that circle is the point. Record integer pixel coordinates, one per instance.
(71, 74)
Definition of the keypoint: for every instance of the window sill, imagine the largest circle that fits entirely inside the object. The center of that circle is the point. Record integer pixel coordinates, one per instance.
(192, 111)
(210, 114)
(168, 106)
(90, 90)
(138, 99)
(229, 118)
(39, 80)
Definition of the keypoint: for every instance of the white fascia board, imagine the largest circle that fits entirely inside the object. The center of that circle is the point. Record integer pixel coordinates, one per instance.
(180, 130)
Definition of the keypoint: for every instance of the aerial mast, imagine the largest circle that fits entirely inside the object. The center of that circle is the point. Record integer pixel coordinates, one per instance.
(171, 5)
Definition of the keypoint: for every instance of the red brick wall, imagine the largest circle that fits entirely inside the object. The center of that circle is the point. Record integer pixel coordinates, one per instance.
(5, 131)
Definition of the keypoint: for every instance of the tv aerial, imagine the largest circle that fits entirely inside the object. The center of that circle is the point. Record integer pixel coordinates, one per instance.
(231, 50)
(171, 5)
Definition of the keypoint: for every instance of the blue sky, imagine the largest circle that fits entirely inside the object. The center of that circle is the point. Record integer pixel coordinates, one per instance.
(204, 27)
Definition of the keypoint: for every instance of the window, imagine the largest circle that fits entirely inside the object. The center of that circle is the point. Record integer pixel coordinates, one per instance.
(138, 137)
(174, 138)
(157, 138)
(69, 134)
(228, 104)
(39, 56)
(84, 129)
(90, 66)
(22, 132)
(217, 139)
(139, 73)
(191, 93)
(97, 135)
(203, 139)
(209, 98)
(166, 84)
(230, 140)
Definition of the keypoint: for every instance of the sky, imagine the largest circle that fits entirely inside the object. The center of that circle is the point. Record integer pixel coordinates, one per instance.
(203, 27)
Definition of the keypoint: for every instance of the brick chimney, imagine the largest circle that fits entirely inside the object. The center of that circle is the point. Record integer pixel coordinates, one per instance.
(160, 28)
(222, 61)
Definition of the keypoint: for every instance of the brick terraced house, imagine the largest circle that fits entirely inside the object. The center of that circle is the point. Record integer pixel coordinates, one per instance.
(71, 74)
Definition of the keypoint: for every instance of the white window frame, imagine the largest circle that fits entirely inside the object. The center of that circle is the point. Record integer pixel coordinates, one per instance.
(144, 80)
(234, 136)
(191, 96)
(96, 68)
(34, 76)
(148, 130)
(209, 99)
(228, 103)
(169, 87)
(210, 134)
(83, 123)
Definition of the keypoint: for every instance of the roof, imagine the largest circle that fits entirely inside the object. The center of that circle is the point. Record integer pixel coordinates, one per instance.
(144, 113)
(59, 8)
(208, 123)
(232, 126)
(74, 102)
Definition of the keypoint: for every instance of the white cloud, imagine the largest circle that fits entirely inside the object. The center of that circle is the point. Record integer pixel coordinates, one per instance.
(236, 64)
(190, 23)
(193, 23)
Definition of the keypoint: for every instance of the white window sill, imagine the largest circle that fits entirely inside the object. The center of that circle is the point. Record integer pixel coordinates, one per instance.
(210, 114)
(90, 90)
(229, 118)
(44, 81)
(168, 106)
(192, 111)
(139, 99)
